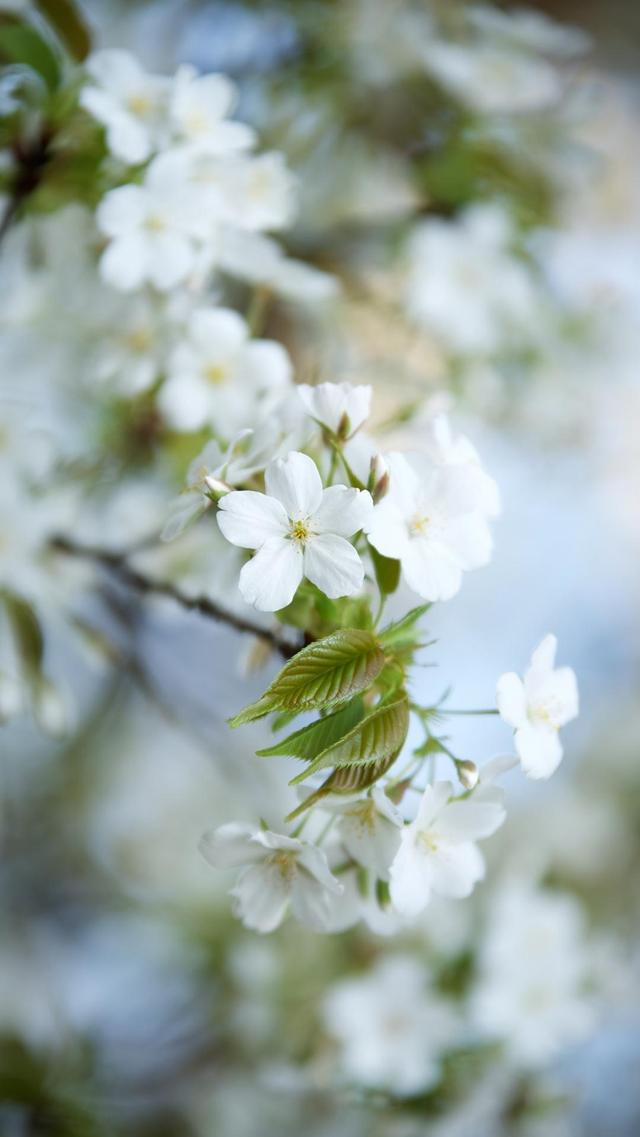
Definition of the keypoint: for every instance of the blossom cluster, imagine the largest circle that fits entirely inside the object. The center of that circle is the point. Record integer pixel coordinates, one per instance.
(420, 518)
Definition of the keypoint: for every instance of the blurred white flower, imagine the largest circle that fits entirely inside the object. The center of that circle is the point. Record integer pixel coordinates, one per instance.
(339, 406)
(217, 376)
(464, 283)
(262, 192)
(529, 29)
(151, 230)
(198, 110)
(299, 530)
(429, 521)
(130, 103)
(447, 449)
(537, 707)
(493, 78)
(532, 987)
(438, 852)
(280, 871)
(259, 259)
(391, 1029)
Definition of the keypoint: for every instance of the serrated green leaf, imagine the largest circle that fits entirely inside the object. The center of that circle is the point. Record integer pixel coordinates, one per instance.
(70, 26)
(403, 631)
(20, 43)
(321, 675)
(375, 738)
(346, 780)
(312, 739)
(26, 630)
(387, 571)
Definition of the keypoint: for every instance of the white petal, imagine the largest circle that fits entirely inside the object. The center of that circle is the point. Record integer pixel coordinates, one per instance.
(430, 570)
(469, 538)
(315, 862)
(410, 877)
(220, 329)
(373, 845)
(387, 530)
(544, 656)
(123, 264)
(171, 261)
(261, 896)
(310, 903)
(248, 519)
(185, 402)
(433, 801)
(456, 869)
(472, 818)
(230, 846)
(122, 210)
(539, 748)
(511, 699)
(295, 482)
(270, 579)
(333, 565)
(343, 511)
(266, 365)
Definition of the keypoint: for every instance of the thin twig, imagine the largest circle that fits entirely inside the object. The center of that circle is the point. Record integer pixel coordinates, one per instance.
(118, 564)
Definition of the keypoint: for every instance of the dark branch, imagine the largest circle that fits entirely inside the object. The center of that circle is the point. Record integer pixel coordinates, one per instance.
(117, 563)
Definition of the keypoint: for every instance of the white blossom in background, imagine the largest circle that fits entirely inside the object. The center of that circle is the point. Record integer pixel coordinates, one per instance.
(130, 103)
(530, 30)
(199, 107)
(438, 853)
(278, 872)
(391, 1029)
(341, 407)
(218, 376)
(465, 284)
(494, 78)
(299, 530)
(537, 707)
(153, 231)
(430, 522)
(262, 192)
(534, 974)
(447, 449)
(259, 259)
(131, 351)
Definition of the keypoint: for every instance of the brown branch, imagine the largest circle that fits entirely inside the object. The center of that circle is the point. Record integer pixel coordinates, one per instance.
(118, 564)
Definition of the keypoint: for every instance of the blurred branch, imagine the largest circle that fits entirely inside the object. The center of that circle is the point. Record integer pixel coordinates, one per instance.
(118, 564)
(30, 163)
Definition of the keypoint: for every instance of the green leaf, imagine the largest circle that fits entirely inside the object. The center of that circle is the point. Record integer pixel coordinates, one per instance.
(380, 734)
(346, 780)
(387, 571)
(70, 26)
(26, 629)
(20, 43)
(403, 632)
(317, 736)
(321, 675)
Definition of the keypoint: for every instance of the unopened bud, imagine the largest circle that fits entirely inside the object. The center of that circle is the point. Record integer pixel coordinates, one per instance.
(378, 483)
(468, 774)
(216, 487)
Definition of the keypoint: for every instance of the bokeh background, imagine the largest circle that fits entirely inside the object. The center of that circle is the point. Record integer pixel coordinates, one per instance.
(131, 1002)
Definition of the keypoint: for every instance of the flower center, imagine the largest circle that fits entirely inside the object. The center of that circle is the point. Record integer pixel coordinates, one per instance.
(300, 530)
(138, 340)
(215, 373)
(155, 223)
(428, 841)
(285, 864)
(140, 105)
(419, 525)
(547, 711)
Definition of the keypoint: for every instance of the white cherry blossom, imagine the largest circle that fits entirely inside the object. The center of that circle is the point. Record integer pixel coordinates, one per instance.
(438, 853)
(537, 707)
(341, 407)
(369, 829)
(278, 872)
(198, 112)
(152, 231)
(494, 78)
(262, 192)
(390, 1027)
(532, 989)
(448, 449)
(429, 521)
(218, 376)
(299, 530)
(130, 103)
